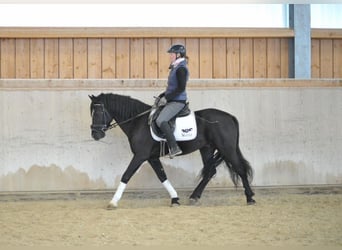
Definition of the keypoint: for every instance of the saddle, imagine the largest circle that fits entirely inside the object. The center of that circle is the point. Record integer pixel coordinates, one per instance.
(184, 125)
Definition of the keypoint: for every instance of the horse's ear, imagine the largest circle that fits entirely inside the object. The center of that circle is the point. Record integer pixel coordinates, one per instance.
(91, 97)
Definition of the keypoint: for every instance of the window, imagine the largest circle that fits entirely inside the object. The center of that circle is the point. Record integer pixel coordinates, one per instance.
(326, 16)
(144, 15)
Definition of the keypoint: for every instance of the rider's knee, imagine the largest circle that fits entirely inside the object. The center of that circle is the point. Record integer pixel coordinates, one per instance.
(159, 122)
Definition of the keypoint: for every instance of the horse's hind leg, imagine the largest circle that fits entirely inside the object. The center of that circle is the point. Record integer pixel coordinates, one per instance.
(197, 193)
(209, 170)
(248, 191)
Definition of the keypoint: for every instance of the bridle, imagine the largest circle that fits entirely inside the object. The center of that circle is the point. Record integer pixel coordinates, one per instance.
(99, 109)
(106, 118)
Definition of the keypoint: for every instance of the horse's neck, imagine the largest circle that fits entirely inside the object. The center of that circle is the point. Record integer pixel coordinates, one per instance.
(126, 124)
(117, 115)
(121, 112)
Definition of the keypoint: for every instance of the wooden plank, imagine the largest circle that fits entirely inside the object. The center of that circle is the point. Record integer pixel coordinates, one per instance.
(66, 63)
(51, 58)
(108, 58)
(326, 58)
(163, 58)
(284, 57)
(122, 58)
(246, 58)
(315, 58)
(94, 58)
(337, 58)
(150, 58)
(137, 58)
(206, 59)
(192, 51)
(8, 62)
(178, 40)
(144, 32)
(219, 58)
(22, 58)
(80, 58)
(37, 58)
(326, 33)
(233, 58)
(273, 58)
(259, 58)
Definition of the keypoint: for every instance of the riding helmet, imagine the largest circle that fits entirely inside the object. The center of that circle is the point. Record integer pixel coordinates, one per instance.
(178, 49)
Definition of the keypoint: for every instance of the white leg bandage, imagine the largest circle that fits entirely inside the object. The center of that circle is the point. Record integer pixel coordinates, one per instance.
(170, 189)
(117, 196)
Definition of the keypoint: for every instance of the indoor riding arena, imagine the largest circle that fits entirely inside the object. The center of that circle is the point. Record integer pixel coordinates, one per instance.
(56, 180)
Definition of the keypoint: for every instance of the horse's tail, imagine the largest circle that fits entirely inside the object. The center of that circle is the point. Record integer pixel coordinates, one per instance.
(246, 166)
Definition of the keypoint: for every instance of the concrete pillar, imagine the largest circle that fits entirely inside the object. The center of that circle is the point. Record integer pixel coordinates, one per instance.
(300, 47)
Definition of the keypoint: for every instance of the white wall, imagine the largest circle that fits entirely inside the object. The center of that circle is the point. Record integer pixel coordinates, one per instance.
(291, 136)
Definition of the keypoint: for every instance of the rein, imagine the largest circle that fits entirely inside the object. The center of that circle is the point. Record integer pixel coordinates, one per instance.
(115, 124)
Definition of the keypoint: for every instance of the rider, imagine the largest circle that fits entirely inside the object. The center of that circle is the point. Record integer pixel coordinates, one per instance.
(175, 95)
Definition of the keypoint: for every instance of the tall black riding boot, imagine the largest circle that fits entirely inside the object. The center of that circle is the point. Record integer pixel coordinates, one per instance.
(170, 138)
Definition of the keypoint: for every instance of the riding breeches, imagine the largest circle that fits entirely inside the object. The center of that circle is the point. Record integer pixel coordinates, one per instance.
(170, 110)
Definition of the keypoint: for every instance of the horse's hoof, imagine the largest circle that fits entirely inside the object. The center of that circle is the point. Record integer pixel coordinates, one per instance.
(111, 206)
(251, 202)
(193, 201)
(175, 202)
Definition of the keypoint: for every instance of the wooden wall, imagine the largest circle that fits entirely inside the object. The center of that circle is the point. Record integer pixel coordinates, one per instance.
(326, 53)
(136, 53)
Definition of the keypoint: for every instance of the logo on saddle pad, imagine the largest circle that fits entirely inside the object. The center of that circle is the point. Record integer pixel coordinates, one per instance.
(185, 129)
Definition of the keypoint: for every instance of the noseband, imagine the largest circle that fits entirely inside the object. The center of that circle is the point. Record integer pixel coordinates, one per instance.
(106, 118)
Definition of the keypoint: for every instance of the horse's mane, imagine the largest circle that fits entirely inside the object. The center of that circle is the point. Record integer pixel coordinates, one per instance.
(124, 107)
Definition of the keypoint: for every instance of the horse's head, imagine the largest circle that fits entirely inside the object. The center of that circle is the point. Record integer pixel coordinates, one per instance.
(101, 119)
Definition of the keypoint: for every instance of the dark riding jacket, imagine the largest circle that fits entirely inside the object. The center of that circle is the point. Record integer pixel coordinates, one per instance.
(176, 83)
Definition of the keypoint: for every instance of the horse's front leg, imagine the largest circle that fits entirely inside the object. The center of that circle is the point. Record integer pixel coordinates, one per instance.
(131, 169)
(159, 170)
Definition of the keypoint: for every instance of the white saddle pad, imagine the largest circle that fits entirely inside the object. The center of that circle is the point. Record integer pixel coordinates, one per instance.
(185, 129)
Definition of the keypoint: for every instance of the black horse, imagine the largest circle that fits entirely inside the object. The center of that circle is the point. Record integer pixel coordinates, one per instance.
(217, 140)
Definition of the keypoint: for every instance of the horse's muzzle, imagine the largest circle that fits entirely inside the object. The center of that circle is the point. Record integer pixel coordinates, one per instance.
(97, 134)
